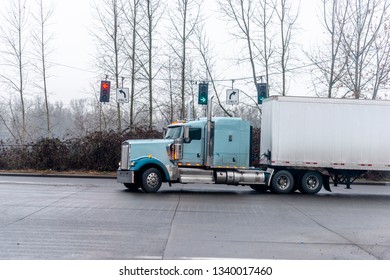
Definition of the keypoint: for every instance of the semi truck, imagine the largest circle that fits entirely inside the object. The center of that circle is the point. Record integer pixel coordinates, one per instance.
(306, 143)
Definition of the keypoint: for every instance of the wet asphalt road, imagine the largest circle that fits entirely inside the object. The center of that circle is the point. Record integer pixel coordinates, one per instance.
(89, 219)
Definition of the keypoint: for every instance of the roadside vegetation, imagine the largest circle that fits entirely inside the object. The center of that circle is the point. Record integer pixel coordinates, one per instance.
(97, 151)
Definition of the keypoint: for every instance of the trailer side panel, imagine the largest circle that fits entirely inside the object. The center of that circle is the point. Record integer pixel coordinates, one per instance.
(326, 133)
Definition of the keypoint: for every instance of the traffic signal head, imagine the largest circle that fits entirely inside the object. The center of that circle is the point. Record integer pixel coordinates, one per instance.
(105, 91)
(261, 92)
(203, 93)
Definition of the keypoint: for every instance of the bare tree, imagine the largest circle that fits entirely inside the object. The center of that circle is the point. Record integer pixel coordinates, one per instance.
(153, 11)
(111, 44)
(356, 56)
(15, 40)
(78, 109)
(266, 11)
(365, 21)
(241, 13)
(334, 24)
(171, 88)
(42, 52)
(287, 20)
(203, 45)
(382, 60)
(255, 22)
(184, 21)
(192, 74)
(4, 118)
(330, 60)
(131, 10)
(171, 81)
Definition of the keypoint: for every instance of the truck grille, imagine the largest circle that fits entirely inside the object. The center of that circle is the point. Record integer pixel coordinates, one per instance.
(125, 156)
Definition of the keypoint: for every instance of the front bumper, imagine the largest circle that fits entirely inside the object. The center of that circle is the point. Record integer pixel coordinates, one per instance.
(125, 176)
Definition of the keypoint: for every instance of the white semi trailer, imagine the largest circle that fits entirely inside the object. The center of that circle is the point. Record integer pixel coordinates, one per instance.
(339, 138)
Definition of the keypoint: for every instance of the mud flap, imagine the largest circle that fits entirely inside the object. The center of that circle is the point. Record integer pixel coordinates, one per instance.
(325, 180)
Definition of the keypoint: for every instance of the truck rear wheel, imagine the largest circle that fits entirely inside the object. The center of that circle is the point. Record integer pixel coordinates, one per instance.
(282, 182)
(151, 180)
(311, 182)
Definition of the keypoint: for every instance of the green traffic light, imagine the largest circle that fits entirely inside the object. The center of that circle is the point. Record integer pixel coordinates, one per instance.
(203, 93)
(261, 92)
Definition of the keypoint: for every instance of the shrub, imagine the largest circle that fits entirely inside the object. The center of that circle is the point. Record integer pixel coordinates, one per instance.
(97, 151)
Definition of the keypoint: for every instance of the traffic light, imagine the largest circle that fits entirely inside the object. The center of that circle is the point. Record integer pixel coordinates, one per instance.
(261, 92)
(105, 91)
(203, 93)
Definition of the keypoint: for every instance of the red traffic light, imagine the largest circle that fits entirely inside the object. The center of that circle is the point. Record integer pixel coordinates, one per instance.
(105, 85)
(105, 91)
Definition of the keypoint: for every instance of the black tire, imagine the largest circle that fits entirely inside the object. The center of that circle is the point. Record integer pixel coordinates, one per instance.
(311, 182)
(151, 180)
(282, 182)
(132, 187)
(297, 181)
(259, 188)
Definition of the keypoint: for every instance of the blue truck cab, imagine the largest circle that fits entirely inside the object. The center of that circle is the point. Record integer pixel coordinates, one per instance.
(198, 151)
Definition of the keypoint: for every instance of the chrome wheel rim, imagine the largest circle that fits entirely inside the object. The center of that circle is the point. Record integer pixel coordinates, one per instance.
(283, 182)
(312, 182)
(152, 180)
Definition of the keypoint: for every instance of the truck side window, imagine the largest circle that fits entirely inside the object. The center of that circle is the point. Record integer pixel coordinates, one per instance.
(195, 133)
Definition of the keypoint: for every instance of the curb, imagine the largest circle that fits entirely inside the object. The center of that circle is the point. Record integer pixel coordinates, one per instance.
(57, 175)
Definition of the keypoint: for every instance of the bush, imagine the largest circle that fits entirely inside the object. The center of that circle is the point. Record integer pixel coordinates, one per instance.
(46, 154)
(98, 151)
(377, 176)
(12, 157)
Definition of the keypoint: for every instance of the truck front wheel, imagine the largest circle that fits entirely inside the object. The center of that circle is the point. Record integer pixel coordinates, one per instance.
(151, 180)
(282, 182)
(311, 182)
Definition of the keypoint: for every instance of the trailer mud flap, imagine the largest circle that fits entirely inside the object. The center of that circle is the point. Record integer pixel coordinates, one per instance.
(326, 183)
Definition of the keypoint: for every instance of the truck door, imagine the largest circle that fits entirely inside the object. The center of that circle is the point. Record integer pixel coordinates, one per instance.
(193, 148)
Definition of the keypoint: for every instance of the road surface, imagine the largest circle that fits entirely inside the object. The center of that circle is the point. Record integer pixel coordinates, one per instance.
(78, 219)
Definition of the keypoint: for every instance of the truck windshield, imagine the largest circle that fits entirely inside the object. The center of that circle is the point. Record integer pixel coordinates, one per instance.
(173, 132)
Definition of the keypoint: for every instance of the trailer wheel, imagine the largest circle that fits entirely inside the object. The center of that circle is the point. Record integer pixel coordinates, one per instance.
(131, 187)
(282, 182)
(297, 181)
(311, 182)
(151, 180)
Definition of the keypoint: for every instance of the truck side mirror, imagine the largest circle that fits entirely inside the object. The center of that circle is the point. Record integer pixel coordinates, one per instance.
(186, 134)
